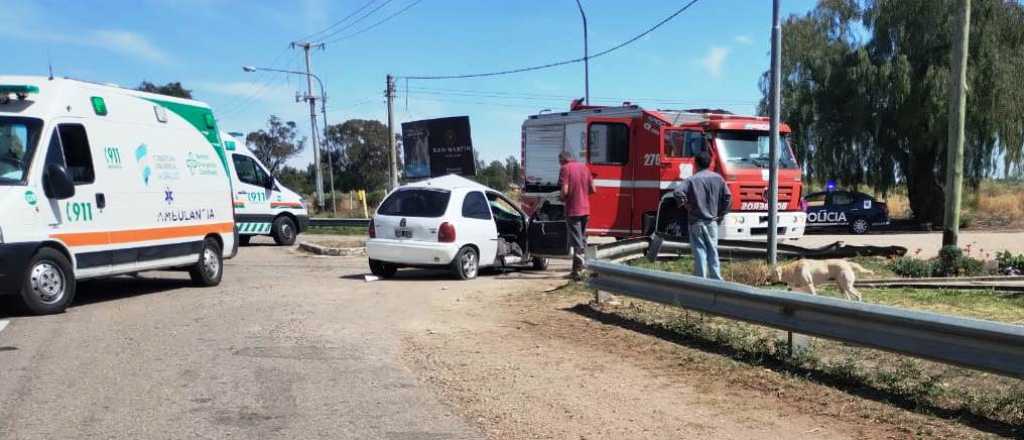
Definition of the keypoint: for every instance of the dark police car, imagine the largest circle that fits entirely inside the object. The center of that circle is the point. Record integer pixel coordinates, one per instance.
(858, 211)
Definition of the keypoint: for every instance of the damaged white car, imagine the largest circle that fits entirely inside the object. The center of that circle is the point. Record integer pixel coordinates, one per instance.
(455, 223)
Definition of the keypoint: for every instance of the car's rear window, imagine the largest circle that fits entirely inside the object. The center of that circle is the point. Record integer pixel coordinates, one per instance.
(416, 202)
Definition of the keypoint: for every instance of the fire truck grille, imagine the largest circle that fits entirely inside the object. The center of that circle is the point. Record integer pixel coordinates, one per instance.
(758, 193)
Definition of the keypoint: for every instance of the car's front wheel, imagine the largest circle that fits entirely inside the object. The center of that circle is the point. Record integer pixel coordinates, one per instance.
(382, 269)
(284, 231)
(49, 284)
(860, 226)
(466, 264)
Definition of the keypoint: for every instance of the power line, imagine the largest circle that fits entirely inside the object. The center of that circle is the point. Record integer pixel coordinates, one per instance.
(337, 23)
(350, 25)
(386, 19)
(560, 63)
(550, 97)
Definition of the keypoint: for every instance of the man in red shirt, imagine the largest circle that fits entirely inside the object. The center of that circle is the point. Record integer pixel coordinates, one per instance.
(577, 184)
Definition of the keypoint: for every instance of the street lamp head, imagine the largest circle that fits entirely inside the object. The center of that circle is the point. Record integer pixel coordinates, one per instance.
(249, 69)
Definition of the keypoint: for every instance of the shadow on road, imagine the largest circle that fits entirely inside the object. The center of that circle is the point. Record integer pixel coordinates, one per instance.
(102, 290)
(844, 384)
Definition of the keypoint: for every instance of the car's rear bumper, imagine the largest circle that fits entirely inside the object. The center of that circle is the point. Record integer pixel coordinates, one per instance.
(414, 253)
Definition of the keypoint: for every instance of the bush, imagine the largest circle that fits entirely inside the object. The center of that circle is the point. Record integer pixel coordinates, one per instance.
(911, 267)
(1009, 262)
(752, 273)
(952, 263)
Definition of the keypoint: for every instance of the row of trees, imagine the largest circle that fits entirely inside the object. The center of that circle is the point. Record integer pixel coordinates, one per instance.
(865, 89)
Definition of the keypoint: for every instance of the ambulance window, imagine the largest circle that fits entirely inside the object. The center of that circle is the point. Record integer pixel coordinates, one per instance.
(475, 206)
(247, 170)
(77, 156)
(608, 143)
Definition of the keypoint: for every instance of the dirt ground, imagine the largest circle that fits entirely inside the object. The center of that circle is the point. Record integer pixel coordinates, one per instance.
(536, 364)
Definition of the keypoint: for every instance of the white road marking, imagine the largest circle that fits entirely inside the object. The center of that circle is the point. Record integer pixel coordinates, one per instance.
(3, 324)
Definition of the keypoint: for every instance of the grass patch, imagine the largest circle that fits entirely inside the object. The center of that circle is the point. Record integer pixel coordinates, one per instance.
(978, 304)
(337, 230)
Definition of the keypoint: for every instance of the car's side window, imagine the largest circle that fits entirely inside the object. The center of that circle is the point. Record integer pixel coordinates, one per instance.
(608, 143)
(815, 200)
(475, 206)
(841, 199)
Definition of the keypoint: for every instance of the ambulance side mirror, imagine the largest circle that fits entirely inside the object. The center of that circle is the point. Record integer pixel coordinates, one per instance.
(269, 183)
(57, 183)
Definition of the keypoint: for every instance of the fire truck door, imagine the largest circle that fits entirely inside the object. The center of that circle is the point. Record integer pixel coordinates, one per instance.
(678, 149)
(608, 156)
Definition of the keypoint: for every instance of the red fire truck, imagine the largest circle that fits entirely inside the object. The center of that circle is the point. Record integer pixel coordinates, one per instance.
(637, 156)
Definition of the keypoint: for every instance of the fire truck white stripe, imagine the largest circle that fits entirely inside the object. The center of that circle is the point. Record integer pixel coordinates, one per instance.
(647, 184)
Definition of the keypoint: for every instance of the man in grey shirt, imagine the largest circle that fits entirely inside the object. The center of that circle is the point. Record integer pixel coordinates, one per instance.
(706, 198)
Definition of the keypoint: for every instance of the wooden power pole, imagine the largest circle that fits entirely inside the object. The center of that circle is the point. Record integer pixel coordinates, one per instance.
(392, 154)
(955, 142)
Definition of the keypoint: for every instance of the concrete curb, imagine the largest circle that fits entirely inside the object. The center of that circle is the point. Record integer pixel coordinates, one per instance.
(331, 251)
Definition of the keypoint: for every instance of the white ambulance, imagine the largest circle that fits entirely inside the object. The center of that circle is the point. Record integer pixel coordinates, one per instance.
(97, 181)
(262, 205)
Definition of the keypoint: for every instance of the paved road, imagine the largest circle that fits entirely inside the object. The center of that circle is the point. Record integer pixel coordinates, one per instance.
(926, 244)
(271, 353)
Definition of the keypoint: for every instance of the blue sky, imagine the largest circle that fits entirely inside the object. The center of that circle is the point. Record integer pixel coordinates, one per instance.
(710, 56)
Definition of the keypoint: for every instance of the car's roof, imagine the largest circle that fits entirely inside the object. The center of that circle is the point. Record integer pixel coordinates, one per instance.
(856, 193)
(449, 182)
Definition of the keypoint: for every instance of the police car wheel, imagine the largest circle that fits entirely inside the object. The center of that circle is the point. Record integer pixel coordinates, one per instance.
(859, 226)
(382, 269)
(210, 268)
(284, 231)
(540, 263)
(49, 283)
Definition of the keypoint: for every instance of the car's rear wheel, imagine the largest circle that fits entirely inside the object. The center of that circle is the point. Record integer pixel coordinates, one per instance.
(466, 264)
(49, 284)
(860, 226)
(382, 269)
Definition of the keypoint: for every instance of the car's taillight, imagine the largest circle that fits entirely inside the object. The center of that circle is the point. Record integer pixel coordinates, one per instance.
(371, 230)
(446, 233)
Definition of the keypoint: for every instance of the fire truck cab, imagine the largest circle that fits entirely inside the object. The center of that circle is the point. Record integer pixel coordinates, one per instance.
(637, 156)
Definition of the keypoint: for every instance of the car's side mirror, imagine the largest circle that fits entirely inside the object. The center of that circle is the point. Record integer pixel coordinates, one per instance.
(57, 183)
(269, 183)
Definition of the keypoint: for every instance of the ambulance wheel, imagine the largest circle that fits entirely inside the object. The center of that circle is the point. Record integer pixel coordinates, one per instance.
(540, 263)
(466, 264)
(382, 269)
(859, 226)
(210, 268)
(284, 231)
(49, 283)
(244, 239)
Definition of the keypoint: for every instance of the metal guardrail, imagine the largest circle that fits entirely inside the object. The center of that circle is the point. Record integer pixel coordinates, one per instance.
(971, 343)
(339, 222)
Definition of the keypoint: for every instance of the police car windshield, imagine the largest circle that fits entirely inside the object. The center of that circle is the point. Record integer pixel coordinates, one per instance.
(747, 149)
(18, 139)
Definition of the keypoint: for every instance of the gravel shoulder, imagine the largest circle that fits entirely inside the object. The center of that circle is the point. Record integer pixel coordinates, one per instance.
(530, 364)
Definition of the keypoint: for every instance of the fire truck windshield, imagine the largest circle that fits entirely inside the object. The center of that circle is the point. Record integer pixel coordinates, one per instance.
(747, 149)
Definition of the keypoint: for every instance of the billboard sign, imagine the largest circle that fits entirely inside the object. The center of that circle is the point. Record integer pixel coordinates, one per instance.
(436, 147)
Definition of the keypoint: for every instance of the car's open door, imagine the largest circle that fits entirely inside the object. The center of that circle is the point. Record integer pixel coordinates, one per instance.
(547, 233)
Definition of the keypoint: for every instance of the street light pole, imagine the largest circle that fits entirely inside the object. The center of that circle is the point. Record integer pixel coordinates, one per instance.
(586, 56)
(323, 111)
(773, 153)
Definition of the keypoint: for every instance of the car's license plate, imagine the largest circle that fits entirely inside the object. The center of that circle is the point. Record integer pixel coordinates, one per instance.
(403, 233)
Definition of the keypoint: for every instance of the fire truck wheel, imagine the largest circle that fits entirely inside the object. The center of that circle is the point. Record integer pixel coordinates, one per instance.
(540, 263)
(859, 226)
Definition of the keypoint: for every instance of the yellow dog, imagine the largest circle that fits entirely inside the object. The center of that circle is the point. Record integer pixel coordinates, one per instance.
(805, 274)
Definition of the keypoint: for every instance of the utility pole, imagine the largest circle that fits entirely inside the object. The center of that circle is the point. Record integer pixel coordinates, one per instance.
(586, 56)
(955, 142)
(392, 154)
(773, 146)
(306, 46)
(330, 158)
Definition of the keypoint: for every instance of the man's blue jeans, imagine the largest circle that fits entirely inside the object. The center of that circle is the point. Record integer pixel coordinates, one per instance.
(704, 242)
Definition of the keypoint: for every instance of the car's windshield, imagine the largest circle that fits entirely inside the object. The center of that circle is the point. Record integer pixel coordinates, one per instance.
(416, 202)
(18, 139)
(747, 149)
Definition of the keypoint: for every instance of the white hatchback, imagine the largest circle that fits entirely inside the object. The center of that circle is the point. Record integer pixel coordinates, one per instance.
(454, 222)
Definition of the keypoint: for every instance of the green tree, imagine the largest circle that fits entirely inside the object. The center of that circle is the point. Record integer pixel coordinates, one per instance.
(514, 170)
(874, 111)
(300, 181)
(276, 144)
(360, 154)
(170, 89)
(493, 175)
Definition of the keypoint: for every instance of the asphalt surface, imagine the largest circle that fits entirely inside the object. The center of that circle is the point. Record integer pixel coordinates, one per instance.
(288, 346)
